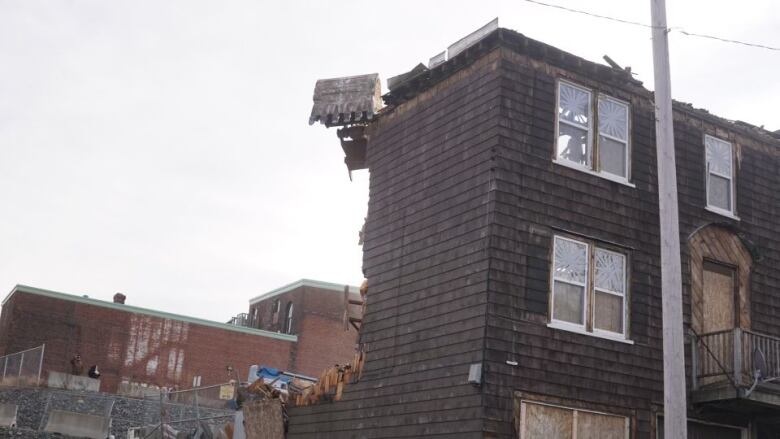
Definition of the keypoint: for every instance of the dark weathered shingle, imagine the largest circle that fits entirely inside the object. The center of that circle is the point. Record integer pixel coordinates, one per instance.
(347, 100)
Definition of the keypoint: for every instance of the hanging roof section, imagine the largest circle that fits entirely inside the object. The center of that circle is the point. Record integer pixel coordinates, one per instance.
(347, 100)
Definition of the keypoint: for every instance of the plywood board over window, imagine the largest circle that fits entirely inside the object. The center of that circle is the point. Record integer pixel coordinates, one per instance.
(714, 250)
(547, 421)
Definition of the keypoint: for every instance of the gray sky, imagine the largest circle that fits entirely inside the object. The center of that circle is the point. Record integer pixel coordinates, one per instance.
(161, 148)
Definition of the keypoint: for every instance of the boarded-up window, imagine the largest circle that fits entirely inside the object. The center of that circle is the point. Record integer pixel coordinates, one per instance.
(542, 421)
(718, 297)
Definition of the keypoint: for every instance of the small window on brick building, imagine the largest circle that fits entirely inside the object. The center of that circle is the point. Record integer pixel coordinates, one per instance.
(255, 318)
(288, 326)
(196, 380)
(275, 312)
(720, 175)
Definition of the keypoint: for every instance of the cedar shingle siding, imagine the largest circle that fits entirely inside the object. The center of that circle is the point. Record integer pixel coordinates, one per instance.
(464, 202)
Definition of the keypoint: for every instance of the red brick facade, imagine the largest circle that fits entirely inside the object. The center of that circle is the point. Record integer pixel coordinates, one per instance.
(317, 320)
(141, 345)
(133, 344)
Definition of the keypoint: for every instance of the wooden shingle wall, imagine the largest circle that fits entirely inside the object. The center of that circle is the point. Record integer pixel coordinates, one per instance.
(536, 199)
(426, 261)
(464, 202)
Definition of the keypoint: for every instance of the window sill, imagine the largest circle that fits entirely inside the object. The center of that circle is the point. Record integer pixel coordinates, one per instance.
(586, 170)
(578, 330)
(721, 212)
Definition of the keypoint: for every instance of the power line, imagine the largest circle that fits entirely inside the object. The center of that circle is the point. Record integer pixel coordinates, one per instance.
(726, 40)
(578, 11)
(636, 23)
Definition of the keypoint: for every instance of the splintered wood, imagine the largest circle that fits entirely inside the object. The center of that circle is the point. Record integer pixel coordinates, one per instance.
(332, 381)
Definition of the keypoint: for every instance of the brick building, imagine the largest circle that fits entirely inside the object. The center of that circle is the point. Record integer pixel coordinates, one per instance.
(135, 344)
(314, 312)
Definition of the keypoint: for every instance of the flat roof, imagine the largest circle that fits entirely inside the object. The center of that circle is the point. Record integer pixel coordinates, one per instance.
(146, 311)
(304, 283)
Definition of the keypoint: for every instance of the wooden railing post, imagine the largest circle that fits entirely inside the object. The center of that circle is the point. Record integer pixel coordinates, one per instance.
(737, 347)
(694, 360)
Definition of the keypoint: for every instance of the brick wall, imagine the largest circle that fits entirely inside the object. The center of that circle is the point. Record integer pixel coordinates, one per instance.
(318, 323)
(130, 345)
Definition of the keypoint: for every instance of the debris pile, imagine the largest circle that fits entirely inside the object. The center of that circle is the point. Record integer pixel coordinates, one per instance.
(331, 383)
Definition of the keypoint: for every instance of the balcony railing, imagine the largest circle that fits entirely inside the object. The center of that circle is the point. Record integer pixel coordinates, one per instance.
(734, 355)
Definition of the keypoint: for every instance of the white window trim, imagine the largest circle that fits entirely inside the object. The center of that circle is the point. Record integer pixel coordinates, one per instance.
(732, 186)
(584, 285)
(613, 336)
(626, 142)
(604, 175)
(524, 402)
(722, 212)
(592, 135)
(622, 295)
(582, 329)
(589, 128)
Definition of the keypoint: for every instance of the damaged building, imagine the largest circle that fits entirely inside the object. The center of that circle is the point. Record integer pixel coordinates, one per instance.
(140, 346)
(512, 253)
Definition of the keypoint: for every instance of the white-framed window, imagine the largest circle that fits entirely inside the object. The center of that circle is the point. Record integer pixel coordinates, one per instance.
(570, 281)
(289, 321)
(720, 174)
(604, 150)
(548, 421)
(589, 288)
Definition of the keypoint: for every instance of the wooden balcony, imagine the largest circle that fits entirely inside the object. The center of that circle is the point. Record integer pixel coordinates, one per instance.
(738, 366)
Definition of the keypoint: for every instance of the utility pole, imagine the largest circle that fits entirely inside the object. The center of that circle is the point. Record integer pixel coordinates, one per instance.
(675, 408)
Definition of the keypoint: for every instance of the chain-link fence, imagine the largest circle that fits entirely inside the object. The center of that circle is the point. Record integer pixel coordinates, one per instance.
(22, 368)
(199, 408)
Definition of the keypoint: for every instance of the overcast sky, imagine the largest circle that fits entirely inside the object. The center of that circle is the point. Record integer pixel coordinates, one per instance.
(162, 148)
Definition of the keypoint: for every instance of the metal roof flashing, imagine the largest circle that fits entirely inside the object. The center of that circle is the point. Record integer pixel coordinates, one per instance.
(339, 288)
(138, 310)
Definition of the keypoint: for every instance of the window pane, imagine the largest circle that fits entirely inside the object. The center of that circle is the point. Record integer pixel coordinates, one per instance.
(718, 156)
(571, 260)
(613, 119)
(608, 312)
(597, 426)
(574, 104)
(610, 271)
(545, 422)
(573, 144)
(719, 192)
(569, 302)
(612, 156)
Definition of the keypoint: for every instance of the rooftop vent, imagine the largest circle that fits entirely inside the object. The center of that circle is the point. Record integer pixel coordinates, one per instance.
(119, 298)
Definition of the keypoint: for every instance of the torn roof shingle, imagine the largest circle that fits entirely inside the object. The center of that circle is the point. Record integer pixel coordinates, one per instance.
(347, 100)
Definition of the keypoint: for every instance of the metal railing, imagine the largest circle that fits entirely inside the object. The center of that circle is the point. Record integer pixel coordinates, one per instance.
(731, 355)
(22, 368)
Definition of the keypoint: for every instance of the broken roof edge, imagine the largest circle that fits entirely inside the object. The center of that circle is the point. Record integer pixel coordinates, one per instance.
(145, 311)
(346, 100)
(523, 45)
(304, 283)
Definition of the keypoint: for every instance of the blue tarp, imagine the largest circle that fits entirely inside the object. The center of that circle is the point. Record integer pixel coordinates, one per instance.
(269, 374)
